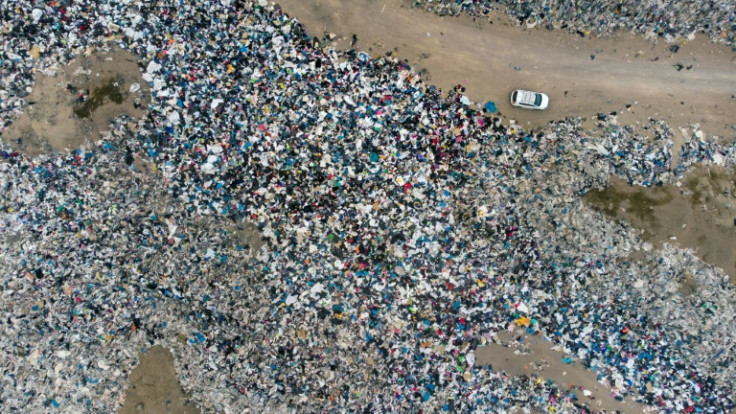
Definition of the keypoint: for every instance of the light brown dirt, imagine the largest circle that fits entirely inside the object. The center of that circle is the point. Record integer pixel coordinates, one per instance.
(537, 357)
(49, 122)
(154, 388)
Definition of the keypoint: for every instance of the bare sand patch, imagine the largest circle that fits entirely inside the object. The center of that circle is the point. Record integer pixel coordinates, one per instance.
(533, 356)
(154, 388)
(66, 110)
(699, 213)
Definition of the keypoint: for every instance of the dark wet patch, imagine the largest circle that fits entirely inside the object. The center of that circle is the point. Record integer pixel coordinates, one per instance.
(708, 184)
(110, 90)
(688, 285)
(696, 213)
(639, 202)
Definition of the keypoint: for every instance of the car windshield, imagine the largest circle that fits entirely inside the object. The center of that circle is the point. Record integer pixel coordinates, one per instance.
(538, 99)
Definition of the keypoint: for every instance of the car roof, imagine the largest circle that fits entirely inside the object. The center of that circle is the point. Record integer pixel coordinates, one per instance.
(526, 97)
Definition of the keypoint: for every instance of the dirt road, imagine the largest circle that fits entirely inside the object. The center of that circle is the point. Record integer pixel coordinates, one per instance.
(582, 76)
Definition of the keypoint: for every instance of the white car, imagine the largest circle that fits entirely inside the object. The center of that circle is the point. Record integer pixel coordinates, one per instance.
(530, 100)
